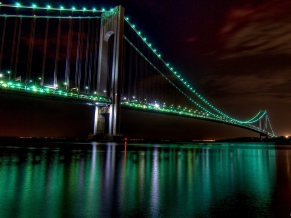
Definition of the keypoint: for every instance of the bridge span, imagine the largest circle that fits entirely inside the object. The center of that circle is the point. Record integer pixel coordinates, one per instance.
(98, 57)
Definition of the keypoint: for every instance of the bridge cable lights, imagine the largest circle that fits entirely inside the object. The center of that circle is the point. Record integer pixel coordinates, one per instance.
(49, 7)
(166, 77)
(188, 86)
(199, 95)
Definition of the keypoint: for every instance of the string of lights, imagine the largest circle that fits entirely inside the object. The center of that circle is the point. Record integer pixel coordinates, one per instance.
(154, 50)
(208, 110)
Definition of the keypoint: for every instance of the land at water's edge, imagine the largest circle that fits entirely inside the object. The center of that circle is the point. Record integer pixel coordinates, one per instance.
(281, 140)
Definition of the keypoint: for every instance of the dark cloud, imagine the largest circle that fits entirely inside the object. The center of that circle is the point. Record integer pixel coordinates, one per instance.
(253, 84)
(191, 39)
(249, 67)
(261, 30)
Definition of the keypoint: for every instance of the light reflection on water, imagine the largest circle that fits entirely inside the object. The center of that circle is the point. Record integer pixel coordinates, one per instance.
(148, 180)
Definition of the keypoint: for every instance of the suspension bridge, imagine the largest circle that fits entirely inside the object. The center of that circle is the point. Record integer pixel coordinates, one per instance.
(98, 57)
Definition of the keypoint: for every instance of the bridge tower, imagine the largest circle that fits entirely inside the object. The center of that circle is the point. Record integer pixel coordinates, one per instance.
(109, 81)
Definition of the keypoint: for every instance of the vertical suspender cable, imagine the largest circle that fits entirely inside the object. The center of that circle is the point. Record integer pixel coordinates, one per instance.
(86, 60)
(172, 96)
(30, 50)
(160, 83)
(266, 122)
(78, 55)
(141, 76)
(146, 77)
(57, 54)
(136, 94)
(149, 93)
(17, 49)
(270, 126)
(44, 52)
(136, 77)
(150, 81)
(95, 67)
(177, 95)
(138, 73)
(130, 74)
(2, 43)
(159, 86)
(123, 70)
(68, 60)
(13, 45)
(163, 85)
(155, 79)
(91, 56)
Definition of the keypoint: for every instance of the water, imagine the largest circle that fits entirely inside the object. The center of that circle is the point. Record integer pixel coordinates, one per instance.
(145, 180)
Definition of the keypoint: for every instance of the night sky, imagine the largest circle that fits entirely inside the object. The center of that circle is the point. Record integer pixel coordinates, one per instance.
(237, 54)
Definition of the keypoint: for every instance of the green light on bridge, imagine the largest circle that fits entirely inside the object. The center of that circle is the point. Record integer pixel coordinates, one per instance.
(34, 6)
(53, 91)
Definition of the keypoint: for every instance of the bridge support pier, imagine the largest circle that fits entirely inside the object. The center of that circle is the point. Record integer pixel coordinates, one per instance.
(101, 122)
(96, 119)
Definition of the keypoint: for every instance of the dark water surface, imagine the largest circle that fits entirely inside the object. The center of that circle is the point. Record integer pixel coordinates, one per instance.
(145, 180)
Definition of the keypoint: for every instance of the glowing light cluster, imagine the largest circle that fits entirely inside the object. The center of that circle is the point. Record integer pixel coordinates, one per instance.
(56, 8)
(17, 86)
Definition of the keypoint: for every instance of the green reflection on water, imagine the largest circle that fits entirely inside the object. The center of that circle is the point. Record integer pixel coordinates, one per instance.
(127, 180)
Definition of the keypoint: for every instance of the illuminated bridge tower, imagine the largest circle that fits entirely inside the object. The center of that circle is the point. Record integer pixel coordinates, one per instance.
(109, 80)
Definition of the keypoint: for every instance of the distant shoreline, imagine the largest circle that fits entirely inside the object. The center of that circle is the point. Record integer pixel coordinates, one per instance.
(276, 141)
